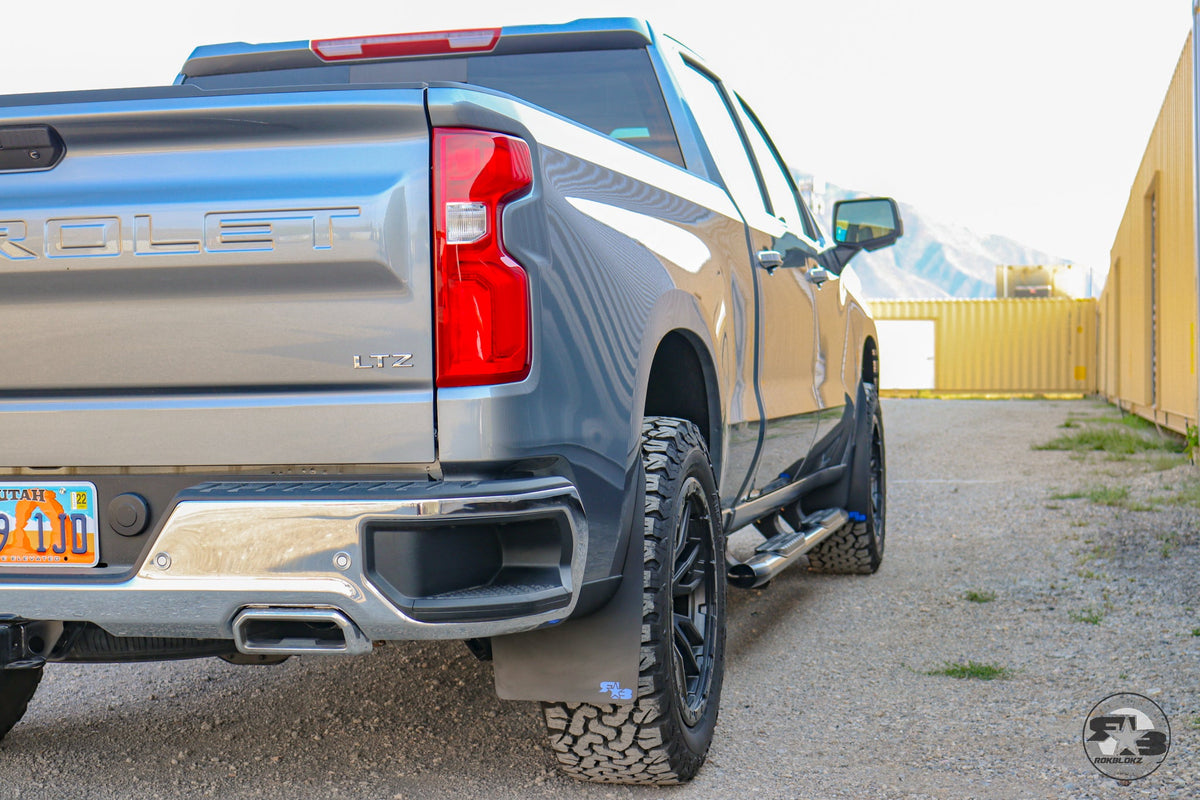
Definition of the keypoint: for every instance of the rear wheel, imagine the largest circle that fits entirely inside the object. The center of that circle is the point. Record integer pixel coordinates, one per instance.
(17, 686)
(664, 735)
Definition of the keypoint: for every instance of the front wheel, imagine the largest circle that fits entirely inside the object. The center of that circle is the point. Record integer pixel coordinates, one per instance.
(858, 548)
(664, 735)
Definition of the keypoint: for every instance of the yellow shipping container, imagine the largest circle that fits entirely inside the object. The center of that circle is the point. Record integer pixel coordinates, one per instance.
(991, 347)
(1147, 311)
(1136, 346)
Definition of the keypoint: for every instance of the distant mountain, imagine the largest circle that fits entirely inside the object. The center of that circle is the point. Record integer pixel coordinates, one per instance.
(933, 259)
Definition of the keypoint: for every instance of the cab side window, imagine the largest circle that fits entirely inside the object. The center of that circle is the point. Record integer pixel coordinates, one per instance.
(721, 135)
(785, 201)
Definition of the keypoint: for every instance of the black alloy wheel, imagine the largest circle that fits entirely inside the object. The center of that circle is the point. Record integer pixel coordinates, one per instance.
(693, 583)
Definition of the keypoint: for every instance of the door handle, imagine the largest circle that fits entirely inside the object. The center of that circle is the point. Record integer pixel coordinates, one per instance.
(770, 260)
(817, 275)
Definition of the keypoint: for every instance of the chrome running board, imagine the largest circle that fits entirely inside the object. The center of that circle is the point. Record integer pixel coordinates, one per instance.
(780, 551)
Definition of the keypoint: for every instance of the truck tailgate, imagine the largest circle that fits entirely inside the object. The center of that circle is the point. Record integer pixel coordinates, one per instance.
(204, 279)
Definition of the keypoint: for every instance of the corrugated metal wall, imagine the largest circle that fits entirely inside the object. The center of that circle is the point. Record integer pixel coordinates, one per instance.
(1136, 346)
(1148, 312)
(1012, 346)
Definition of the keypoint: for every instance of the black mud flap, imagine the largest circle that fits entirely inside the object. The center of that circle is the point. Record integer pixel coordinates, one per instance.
(853, 490)
(590, 660)
(858, 495)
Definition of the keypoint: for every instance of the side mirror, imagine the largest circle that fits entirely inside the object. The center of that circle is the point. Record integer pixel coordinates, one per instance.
(867, 224)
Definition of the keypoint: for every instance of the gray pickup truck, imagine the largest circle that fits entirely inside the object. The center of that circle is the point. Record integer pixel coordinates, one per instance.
(487, 335)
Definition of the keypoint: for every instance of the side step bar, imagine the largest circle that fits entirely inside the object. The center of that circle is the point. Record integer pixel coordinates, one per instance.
(780, 551)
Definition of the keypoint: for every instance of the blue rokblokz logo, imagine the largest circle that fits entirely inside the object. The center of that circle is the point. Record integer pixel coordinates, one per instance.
(615, 691)
(1126, 736)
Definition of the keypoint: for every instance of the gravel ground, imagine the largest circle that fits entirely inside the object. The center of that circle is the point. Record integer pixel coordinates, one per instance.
(826, 694)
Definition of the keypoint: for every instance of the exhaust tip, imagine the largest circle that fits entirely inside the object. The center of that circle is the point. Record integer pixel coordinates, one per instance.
(297, 631)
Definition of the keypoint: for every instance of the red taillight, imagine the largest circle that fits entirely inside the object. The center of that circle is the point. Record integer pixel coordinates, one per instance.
(482, 295)
(399, 45)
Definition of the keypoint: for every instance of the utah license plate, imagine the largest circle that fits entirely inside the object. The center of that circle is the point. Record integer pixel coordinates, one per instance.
(48, 525)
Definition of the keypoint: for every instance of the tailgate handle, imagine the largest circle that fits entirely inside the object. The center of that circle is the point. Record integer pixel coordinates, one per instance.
(30, 148)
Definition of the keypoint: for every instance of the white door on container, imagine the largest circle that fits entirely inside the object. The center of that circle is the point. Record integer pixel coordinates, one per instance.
(906, 348)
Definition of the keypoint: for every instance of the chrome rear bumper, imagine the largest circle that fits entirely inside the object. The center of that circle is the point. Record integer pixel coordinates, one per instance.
(376, 552)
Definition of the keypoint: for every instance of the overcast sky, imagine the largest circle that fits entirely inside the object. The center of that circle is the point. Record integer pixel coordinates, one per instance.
(1025, 118)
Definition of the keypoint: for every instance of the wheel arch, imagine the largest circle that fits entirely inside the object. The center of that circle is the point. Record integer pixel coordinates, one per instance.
(682, 383)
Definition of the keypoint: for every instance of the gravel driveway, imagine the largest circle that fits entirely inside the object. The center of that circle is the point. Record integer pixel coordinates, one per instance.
(827, 691)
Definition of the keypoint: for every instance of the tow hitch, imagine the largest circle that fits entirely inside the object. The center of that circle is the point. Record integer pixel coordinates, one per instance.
(20, 645)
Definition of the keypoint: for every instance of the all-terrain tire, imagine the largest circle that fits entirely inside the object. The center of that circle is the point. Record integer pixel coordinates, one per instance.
(16, 688)
(664, 735)
(857, 549)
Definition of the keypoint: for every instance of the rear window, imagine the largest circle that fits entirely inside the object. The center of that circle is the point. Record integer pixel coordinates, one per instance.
(615, 92)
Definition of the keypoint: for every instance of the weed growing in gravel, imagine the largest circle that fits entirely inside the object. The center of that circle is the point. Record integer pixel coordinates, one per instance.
(1100, 551)
(1187, 495)
(971, 669)
(1195, 631)
(1108, 495)
(1117, 441)
(1194, 723)
(979, 597)
(1165, 461)
(1089, 575)
(1116, 497)
(1091, 616)
(1169, 540)
(1068, 496)
(1108, 413)
(1137, 423)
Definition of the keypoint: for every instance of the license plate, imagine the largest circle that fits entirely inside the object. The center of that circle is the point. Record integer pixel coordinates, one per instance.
(48, 525)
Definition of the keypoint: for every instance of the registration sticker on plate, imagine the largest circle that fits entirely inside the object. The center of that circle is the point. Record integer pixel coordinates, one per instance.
(48, 525)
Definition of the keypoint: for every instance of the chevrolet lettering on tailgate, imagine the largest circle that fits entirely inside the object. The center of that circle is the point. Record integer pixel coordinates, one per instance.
(217, 232)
